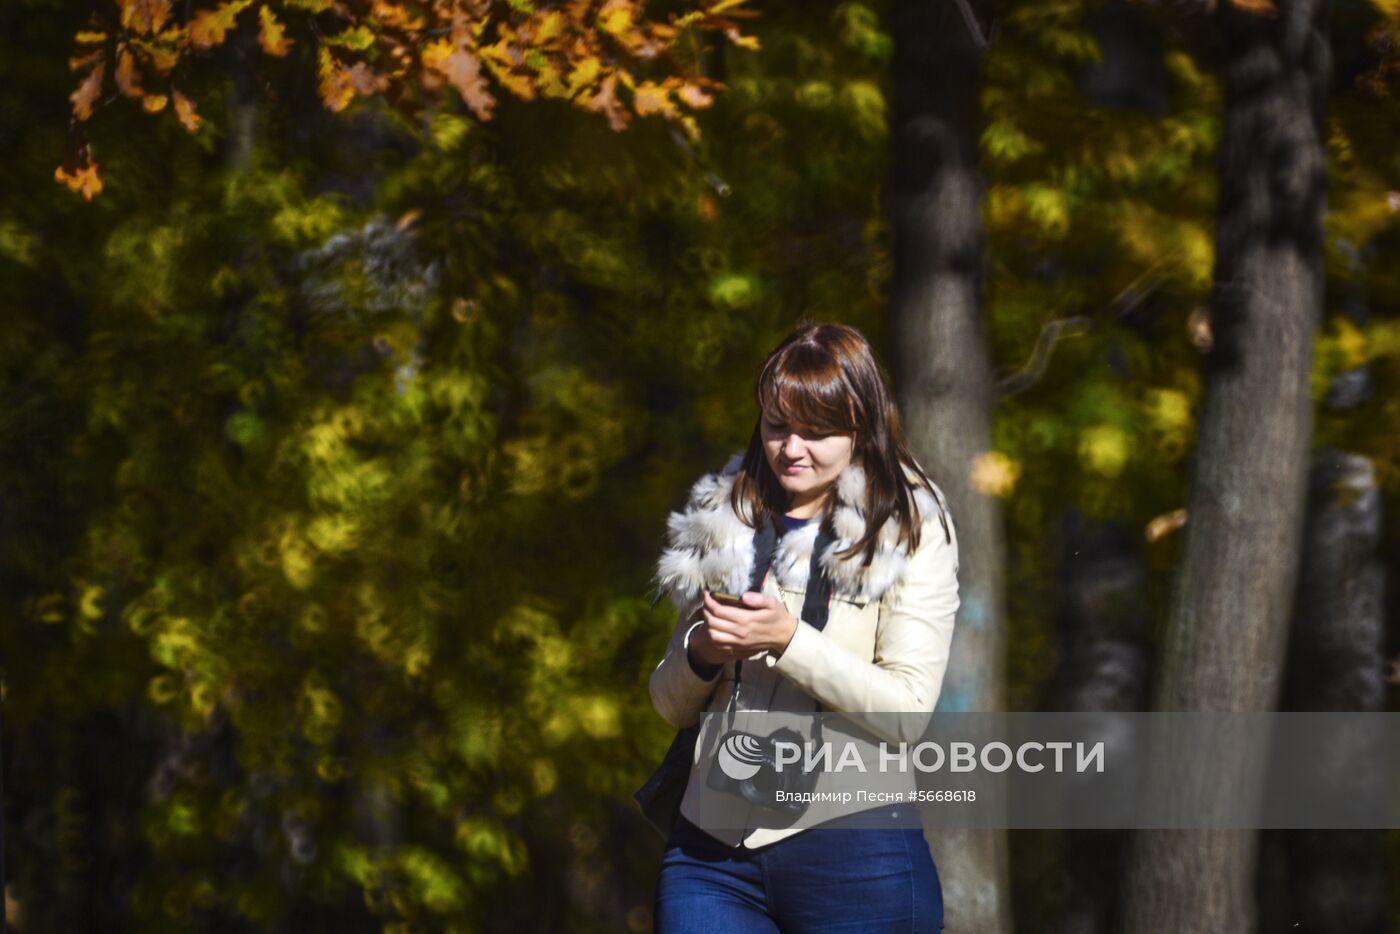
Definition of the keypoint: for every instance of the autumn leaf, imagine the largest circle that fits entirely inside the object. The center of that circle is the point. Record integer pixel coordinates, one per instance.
(184, 110)
(128, 81)
(334, 85)
(652, 98)
(462, 70)
(606, 103)
(144, 17)
(392, 15)
(84, 179)
(209, 27)
(584, 73)
(272, 35)
(694, 96)
(586, 51)
(359, 38)
(88, 91)
(616, 16)
(162, 54)
(1163, 525)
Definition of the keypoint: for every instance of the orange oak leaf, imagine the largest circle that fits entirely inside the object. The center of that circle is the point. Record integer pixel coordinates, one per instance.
(605, 102)
(144, 17)
(391, 15)
(334, 83)
(79, 62)
(462, 70)
(652, 98)
(161, 54)
(128, 81)
(209, 27)
(184, 110)
(88, 91)
(695, 96)
(272, 35)
(85, 179)
(154, 103)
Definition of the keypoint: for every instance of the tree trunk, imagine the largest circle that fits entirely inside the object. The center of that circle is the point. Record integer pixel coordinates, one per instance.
(1233, 590)
(944, 380)
(1103, 668)
(1335, 880)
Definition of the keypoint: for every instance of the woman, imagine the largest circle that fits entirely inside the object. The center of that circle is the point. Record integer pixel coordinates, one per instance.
(846, 560)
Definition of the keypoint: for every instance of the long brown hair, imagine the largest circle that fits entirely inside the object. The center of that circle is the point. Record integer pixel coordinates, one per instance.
(824, 377)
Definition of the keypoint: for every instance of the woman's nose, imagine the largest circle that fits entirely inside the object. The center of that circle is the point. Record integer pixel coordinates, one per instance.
(792, 446)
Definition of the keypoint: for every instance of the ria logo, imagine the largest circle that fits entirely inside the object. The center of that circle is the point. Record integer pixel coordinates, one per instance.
(740, 755)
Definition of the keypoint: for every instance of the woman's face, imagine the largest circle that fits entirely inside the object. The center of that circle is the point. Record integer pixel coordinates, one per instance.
(805, 461)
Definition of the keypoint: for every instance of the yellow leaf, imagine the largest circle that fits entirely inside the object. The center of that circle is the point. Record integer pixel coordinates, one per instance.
(651, 98)
(585, 70)
(160, 55)
(616, 16)
(144, 17)
(209, 27)
(272, 35)
(551, 24)
(357, 38)
(154, 103)
(334, 84)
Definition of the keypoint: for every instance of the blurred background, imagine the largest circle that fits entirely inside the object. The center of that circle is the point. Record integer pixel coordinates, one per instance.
(338, 441)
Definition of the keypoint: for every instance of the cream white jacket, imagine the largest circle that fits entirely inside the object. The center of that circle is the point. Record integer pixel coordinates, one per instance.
(884, 648)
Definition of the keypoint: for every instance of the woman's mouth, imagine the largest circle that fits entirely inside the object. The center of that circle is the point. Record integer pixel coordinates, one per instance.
(794, 468)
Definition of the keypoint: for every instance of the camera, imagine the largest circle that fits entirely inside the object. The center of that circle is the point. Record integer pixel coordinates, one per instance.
(746, 765)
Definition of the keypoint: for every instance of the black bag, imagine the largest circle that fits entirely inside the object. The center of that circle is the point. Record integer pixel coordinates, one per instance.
(660, 797)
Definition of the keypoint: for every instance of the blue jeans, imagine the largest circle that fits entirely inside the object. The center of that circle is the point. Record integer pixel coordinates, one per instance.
(822, 879)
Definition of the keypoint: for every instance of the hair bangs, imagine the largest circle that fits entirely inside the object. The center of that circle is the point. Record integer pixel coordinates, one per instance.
(808, 389)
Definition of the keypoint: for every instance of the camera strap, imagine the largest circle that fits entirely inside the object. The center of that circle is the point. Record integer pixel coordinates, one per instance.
(816, 602)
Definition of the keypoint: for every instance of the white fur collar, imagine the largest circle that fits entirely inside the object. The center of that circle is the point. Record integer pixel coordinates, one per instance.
(709, 547)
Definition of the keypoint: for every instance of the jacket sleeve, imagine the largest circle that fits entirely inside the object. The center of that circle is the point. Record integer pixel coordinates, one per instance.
(677, 692)
(911, 647)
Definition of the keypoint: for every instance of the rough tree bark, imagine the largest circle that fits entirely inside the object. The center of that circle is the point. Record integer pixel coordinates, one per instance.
(943, 375)
(1232, 594)
(1335, 880)
(1104, 622)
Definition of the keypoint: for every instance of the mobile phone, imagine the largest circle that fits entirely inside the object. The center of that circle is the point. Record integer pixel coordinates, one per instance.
(728, 599)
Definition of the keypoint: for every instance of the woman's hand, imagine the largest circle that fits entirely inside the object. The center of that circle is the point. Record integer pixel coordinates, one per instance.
(730, 632)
